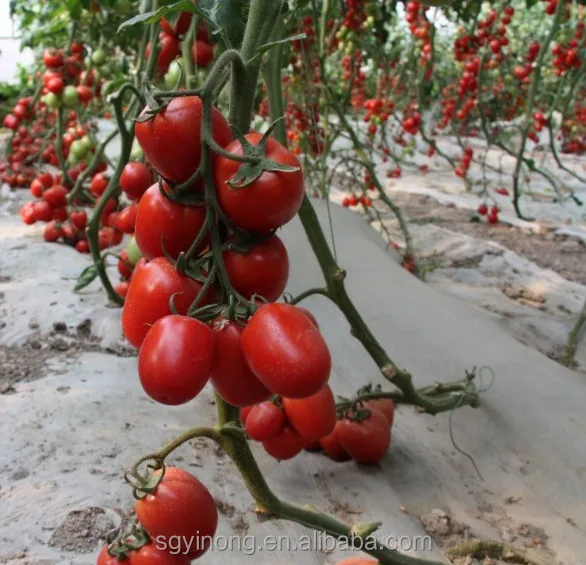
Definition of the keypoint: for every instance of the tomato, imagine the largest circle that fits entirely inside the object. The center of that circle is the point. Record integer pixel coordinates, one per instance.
(309, 315)
(56, 196)
(79, 219)
(108, 237)
(76, 47)
(171, 140)
(183, 23)
(82, 246)
(264, 270)
(135, 180)
(53, 59)
(27, 213)
(149, 294)
(37, 188)
(285, 446)
(99, 57)
(104, 558)
(167, 27)
(244, 412)
(52, 101)
(169, 48)
(59, 214)
(70, 96)
(176, 359)
(201, 33)
(173, 75)
(155, 554)
(42, 211)
(385, 405)
(313, 417)
(332, 446)
(202, 53)
(55, 85)
(367, 441)
(124, 267)
(133, 251)
(46, 179)
(84, 93)
(122, 288)
(271, 200)
(99, 184)
(78, 150)
(126, 219)
(182, 507)
(162, 223)
(52, 232)
(265, 421)
(286, 351)
(231, 377)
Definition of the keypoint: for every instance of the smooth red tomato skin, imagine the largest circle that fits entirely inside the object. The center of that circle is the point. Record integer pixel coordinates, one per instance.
(264, 270)
(231, 377)
(126, 219)
(271, 200)
(169, 48)
(172, 139)
(176, 359)
(135, 180)
(122, 288)
(56, 196)
(332, 446)
(358, 560)
(368, 441)
(309, 315)
(161, 222)
(202, 53)
(285, 446)
(385, 405)
(104, 558)
(79, 219)
(148, 297)
(151, 555)
(313, 417)
(42, 211)
(265, 421)
(98, 185)
(180, 506)
(286, 351)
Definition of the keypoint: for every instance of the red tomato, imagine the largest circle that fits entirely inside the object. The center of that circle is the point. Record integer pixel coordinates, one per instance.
(309, 315)
(27, 213)
(182, 507)
(52, 232)
(124, 267)
(82, 246)
(56, 196)
(244, 412)
(104, 558)
(285, 446)
(122, 288)
(271, 200)
(313, 417)
(46, 179)
(148, 297)
(332, 446)
(201, 33)
(154, 554)
(264, 270)
(163, 223)
(171, 140)
(385, 405)
(11, 121)
(202, 53)
(231, 377)
(53, 58)
(176, 359)
(98, 185)
(79, 219)
(286, 351)
(126, 219)
(367, 441)
(183, 23)
(169, 48)
(42, 211)
(56, 85)
(84, 93)
(37, 188)
(265, 421)
(59, 214)
(135, 180)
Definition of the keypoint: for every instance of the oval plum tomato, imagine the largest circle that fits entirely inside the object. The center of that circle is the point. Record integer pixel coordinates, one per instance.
(171, 140)
(268, 202)
(309, 315)
(135, 180)
(134, 254)
(162, 223)
(98, 185)
(385, 405)
(53, 59)
(151, 554)
(313, 417)
(124, 267)
(79, 219)
(37, 188)
(202, 53)
(286, 351)
(42, 211)
(285, 446)
(264, 270)
(265, 421)
(104, 558)
(366, 441)
(182, 507)
(59, 214)
(52, 232)
(149, 294)
(176, 359)
(126, 219)
(332, 446)
(56, 196)
(231, 377)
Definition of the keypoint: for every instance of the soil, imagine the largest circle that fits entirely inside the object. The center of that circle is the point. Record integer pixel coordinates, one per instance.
(561, 253)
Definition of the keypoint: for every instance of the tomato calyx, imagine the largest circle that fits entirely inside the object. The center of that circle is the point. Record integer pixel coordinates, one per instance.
(256, 162)
(126, 540)
(145, 482)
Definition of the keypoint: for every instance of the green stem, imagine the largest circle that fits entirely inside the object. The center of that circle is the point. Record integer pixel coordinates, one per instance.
(59, 148)
(188, 63)
(573, 337)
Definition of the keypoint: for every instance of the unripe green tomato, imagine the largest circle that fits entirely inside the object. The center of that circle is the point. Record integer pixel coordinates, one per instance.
(341, 45)
(173, 75)
(133, 251)
(370, 21)
(88, 61)
(86, 142)
(136, 153)
(78, 150)
(349, 48)
(69, 96)
(52, 101)
(99, 57)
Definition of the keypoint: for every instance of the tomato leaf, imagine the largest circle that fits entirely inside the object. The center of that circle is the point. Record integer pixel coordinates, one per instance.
(86, 277)
(156, 15)
(228, 18)
(289, 39)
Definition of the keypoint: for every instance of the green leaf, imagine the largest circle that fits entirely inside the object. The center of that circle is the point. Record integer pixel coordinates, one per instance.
(228, 18)
(268, 46)
(156, 15)
(86, 277)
